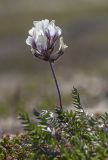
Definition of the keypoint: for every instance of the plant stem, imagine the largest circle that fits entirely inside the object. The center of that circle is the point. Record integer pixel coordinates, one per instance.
(56, 83)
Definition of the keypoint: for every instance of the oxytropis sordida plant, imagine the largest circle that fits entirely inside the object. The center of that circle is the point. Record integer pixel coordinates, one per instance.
(62, 134)
(43, 37)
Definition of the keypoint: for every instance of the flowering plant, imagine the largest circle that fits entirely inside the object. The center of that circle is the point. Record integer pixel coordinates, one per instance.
(61, 134)
(42, 39)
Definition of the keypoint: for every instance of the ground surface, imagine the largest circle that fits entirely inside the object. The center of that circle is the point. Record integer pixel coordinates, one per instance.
(26, 83)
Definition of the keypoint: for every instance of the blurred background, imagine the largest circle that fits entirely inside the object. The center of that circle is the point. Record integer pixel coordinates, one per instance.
(26, 82)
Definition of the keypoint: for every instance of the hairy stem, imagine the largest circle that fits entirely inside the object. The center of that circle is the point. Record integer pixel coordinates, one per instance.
(56, 83)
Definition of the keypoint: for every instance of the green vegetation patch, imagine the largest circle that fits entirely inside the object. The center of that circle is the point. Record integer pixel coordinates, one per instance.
(59, 135)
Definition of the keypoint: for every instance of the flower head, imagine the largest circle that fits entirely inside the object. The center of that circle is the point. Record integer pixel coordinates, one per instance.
(42, 39)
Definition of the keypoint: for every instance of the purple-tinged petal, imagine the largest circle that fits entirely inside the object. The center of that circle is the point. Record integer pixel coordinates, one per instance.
(33, 44)
(45, 24)
(41, 43)
(59, 31)
(31, 31)
(29, 40)
(52, 28)
(41, 24)
(62, 45)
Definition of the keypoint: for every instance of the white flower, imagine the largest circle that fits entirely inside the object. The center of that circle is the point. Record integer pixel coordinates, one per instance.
(42, 38)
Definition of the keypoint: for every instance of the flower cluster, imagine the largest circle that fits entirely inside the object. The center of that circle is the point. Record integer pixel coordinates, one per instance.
(42, 39)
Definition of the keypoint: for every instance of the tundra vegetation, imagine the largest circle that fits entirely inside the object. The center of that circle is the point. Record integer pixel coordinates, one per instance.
(60, 134)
